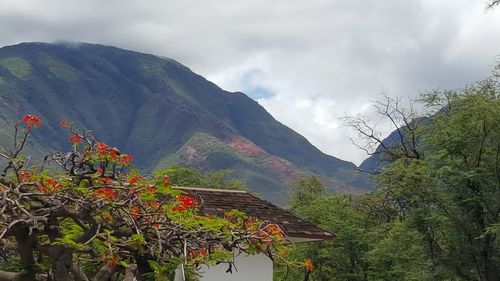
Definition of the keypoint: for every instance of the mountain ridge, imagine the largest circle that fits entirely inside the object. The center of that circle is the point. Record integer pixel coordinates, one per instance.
(150, 106)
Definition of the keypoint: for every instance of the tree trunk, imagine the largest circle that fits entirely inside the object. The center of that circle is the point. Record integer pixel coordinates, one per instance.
(63, 266)
(78, 273)
(26, 244)
(487, 270)
(142, 266)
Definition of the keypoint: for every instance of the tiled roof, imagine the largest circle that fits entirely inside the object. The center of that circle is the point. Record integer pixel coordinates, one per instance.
(217, 201)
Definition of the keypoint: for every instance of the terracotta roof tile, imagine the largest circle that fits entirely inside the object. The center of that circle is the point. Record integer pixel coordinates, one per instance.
(216, 202)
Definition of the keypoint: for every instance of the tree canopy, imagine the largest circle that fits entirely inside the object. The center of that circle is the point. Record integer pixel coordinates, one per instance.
(435, 214)
(87, 215)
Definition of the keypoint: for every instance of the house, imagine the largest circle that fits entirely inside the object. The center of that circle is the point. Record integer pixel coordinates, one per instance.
(258, 267)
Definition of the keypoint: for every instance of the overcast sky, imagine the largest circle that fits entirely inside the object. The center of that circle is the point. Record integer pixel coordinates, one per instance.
(308, 62)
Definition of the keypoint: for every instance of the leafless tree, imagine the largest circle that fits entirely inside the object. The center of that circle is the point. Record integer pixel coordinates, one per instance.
(403, 120)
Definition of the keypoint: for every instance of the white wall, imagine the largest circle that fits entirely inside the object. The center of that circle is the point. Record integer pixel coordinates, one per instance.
(248, 268)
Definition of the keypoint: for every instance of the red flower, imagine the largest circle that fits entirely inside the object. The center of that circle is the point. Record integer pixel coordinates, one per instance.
(188, 202)
(64, 123)
(50, 185)
(75, 139)
(113, 152)
(106, 193)
(53, 183)
(200, 252)
(31, 121)
(134, 180)
(125, 159)
(135, 211)
(309, 265)
(184, 203)
(101, 148)
(100, 171)
(275, 231)
(249, 223)
(106, 181)
(25, 175)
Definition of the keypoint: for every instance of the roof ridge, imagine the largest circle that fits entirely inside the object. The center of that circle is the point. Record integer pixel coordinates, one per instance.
(209, 189)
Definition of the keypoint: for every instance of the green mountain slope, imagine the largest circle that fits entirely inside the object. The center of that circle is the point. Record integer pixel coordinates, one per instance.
(154, 108)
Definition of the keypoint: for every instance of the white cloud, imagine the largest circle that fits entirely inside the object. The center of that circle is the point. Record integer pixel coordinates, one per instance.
(307, 62)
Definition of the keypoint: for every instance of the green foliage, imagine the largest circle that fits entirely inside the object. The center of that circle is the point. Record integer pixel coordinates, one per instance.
(364, 247)
(91, 218)
(398, 254)
(463, 144)
(70, 231)
(192, 177)
(435, 213)
(304, 190)
(341, 258)
(59, 69)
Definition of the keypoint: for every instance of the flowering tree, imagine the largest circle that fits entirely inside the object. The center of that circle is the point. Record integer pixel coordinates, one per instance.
(94, 218)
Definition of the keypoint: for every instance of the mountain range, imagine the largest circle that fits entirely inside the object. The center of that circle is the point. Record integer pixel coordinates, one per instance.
(161, 112)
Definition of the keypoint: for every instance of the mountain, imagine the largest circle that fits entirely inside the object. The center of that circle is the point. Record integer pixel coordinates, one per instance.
(376, 162)
(161, 112)
(398, 141)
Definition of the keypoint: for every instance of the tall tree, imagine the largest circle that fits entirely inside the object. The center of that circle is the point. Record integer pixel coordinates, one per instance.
(304, 190)
(91, 218)
(449, 189)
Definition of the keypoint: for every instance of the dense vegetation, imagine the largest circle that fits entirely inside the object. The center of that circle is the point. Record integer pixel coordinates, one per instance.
(191, 177)
(435, 214)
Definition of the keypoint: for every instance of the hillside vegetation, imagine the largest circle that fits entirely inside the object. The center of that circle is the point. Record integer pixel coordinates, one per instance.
(162, 112)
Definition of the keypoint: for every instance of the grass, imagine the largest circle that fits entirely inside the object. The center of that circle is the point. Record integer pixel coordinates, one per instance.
(150, 68)
(18, 67)
(59, 69)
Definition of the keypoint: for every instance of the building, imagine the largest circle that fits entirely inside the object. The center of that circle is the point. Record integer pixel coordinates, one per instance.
(259, 267)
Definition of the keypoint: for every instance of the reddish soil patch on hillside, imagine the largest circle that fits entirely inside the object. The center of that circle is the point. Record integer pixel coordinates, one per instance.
(191, 152)
(245, 147)
(285, 170)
